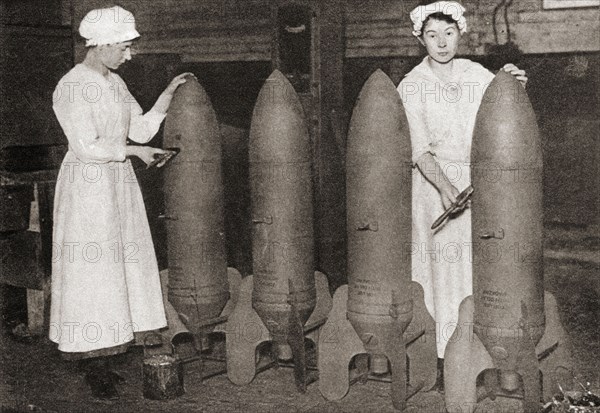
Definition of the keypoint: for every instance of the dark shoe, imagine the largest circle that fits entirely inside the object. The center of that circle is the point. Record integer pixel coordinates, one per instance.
(21, 334)
(102, 385)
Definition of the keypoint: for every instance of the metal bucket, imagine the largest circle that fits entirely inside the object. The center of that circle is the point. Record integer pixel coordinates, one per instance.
(162, 376)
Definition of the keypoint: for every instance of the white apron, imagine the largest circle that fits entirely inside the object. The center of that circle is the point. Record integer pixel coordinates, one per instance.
(105, 280)
(441, 118)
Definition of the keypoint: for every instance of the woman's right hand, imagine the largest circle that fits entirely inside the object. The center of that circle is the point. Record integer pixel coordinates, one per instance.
(434, 174)
(164, 100)
(448, 193)
(178, 80)
(145, 153)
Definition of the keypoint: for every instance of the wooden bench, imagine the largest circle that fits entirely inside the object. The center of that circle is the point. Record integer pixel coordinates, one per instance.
(27, 197)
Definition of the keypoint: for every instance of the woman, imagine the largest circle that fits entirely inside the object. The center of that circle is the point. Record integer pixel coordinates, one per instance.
(105, 280)
(441, 97)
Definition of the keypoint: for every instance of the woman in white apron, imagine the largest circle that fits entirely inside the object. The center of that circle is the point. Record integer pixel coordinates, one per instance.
(105, 280)
(441, 97)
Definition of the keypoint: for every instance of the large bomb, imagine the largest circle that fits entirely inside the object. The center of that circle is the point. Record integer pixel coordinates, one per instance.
(371, 314)
(282, 209)
(509, 311)
(198, 286)
(507, 218)
(284, 292)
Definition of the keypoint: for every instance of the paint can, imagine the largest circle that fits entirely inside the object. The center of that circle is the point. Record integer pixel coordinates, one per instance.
(162, 376)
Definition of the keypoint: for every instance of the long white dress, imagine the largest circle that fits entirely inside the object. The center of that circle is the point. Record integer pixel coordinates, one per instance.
(105, 280)
(441, 116)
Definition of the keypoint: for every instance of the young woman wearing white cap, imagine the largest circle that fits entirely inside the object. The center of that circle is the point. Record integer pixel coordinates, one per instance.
(441, 97)
(105, 279)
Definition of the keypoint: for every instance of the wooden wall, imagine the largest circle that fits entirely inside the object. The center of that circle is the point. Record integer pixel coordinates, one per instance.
(200, 31)
(35, 13)
(383, 28)
(37, 50)
(33, 61)
(231, 30)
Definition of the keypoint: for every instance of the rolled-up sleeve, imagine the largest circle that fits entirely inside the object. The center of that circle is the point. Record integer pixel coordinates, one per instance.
(420, 136)
(142, 127)
(76, 117)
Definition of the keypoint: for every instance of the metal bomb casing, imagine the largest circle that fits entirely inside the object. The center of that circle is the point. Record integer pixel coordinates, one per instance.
(507, 227)
(282, 210)
(516, 332)
(378, 188)
(198, 286)
(380, 317)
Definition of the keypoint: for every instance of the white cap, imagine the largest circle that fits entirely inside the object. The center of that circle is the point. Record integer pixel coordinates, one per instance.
(108, 26)
(450, 8)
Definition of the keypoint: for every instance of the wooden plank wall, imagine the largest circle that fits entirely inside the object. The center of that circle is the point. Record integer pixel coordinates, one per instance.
(210, 31)
(33, 61)
(376, 28)
(200, 31)
(383, 29)
(232, 30)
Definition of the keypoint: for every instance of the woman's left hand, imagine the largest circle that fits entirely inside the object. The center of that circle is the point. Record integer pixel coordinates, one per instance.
(516, 72)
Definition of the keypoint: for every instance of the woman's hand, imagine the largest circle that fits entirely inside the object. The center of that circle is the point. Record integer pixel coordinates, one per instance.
(164, 100)
(448, 193)
(145, 153)
(178, 80)
(434, 174)
(516, 72)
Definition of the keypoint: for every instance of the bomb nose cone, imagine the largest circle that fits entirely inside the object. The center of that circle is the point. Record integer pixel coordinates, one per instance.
(190, 92)
(377, 117)
(188, 97)
(506, 132)
(278, 131)
(379, 83)
(191, 123)
(277, 80)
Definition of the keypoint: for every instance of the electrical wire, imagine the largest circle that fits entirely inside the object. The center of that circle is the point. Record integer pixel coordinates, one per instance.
(506, 4)
(498, 6)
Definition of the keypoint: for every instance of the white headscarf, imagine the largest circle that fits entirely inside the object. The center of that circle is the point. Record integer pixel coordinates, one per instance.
(450, 8)
(108, 26)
